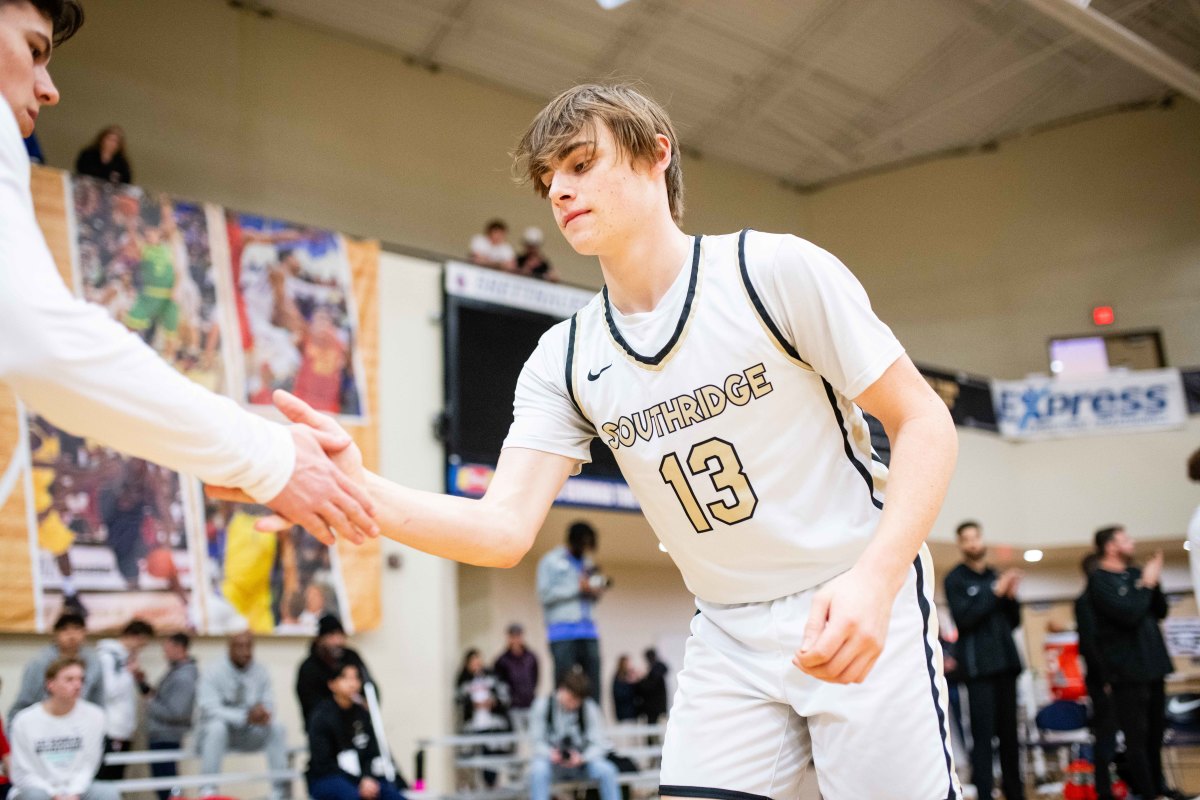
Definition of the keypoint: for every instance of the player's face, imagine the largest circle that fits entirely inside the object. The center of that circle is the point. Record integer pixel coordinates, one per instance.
(25, 42)
(598, 196)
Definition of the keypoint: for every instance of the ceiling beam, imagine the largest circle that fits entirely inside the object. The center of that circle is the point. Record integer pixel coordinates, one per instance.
(430, 52)
(1122, 43)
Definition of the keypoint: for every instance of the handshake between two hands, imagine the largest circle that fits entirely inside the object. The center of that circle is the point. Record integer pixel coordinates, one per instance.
(326, 492)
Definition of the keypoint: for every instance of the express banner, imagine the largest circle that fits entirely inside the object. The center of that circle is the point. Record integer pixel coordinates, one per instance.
(1118, 402)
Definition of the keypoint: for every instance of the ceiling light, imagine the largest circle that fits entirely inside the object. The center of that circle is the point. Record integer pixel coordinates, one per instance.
(1033, 556)
(662, 547)
(609, 5)
(1187, 545)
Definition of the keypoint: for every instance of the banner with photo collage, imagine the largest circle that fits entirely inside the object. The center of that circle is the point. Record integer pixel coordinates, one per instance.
(241, 305)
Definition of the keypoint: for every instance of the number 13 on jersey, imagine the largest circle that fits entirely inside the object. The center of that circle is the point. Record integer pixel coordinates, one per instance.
(719, 460)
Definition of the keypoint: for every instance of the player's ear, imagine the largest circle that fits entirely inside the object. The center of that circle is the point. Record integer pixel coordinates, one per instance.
(665, 153)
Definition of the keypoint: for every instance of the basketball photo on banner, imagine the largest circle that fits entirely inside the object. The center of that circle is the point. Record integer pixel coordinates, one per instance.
(148, 260)
(111, 534)
(298, 321)
(267, 583)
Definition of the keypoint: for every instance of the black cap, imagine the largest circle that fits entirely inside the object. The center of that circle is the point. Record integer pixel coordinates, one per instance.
(329, 624)
(515, 628)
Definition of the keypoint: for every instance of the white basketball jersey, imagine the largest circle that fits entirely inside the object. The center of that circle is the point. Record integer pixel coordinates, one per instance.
(754, 470)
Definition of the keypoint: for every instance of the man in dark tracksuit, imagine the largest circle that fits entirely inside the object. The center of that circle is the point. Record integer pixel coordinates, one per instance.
(1104, 716)
(1128, 603)
(986, 612)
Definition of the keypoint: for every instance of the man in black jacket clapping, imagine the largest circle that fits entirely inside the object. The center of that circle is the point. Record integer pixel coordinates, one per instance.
(985, 609)
(1128, 603)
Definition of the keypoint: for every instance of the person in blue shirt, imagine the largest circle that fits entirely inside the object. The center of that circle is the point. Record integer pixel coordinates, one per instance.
(568, 585)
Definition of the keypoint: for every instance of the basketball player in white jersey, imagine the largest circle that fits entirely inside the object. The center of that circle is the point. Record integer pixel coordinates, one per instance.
(728, 374)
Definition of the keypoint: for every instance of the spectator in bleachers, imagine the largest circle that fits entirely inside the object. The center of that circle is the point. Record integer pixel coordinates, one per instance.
(626, 701)
(483, 698)
(532, 261)
(345, 759)
(568, 585)
(57, 744)
(569, 742)
(70, 636)
(1128, 603)
(169, 712)
(124, 683)
(237, 712)
(483, 704)
(985, 610)
(492, 249)
(326, 656)
(653, 688)
(517, 666)
(105, 157)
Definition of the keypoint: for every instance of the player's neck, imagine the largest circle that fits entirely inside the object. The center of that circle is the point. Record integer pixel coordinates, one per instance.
(641, 272)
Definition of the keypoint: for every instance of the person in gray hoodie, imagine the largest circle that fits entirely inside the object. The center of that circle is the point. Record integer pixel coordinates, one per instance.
(70, 635)
(169, 712)
(237, 712)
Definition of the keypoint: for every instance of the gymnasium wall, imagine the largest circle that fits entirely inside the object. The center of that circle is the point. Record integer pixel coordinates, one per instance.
(973, 260)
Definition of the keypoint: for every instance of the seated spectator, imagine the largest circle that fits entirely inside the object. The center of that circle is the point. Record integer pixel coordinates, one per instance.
(70, 634)
(483, 698)
(567, 731)
(653, 688)
(517, 667)
(57, 744)
(169, 712)
(124, 682)
(326, 656)
(532, 261)
(627, 703)
(483, 702)
(105, 157)
(237, 712)
(491, 248)
(345, 759)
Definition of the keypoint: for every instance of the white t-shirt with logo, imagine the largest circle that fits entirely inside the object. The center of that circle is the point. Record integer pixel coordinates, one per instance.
(58, 755)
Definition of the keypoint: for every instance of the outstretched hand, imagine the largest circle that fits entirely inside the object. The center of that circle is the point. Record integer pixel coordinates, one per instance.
(324, 494)
(846, 628)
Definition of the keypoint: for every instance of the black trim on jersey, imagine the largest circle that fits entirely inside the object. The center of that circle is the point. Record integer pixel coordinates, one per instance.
(657, 358)
(570, 371)
(757, 302)
(923, 603)
(707, 792)
(858, 465)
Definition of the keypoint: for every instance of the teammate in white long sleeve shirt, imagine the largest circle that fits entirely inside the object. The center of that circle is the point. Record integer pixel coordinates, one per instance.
(729, 375)
(85, 373)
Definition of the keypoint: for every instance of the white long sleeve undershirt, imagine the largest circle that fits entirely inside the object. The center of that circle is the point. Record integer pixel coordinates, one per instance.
(83, 371)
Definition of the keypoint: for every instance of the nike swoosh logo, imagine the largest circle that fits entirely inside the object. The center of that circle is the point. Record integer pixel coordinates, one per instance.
(1177, 706)
(593, 375)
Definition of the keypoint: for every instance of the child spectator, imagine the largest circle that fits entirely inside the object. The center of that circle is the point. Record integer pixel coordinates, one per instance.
(105, 157)
(491, 248)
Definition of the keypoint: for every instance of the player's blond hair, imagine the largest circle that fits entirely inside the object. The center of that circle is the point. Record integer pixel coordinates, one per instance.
(633, 119)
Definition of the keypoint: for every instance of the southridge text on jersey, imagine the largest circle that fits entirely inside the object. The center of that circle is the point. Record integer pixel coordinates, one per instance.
(680, 412)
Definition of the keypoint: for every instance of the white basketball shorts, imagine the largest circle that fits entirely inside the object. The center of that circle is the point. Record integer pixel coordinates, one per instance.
(746, 724)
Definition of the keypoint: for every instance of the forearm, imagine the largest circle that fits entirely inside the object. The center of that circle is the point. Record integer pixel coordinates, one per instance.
(924, 451)
(495, 531)
(457, 528)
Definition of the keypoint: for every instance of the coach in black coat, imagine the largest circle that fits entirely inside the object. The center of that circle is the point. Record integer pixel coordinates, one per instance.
(986, 612)
(1128, 604)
